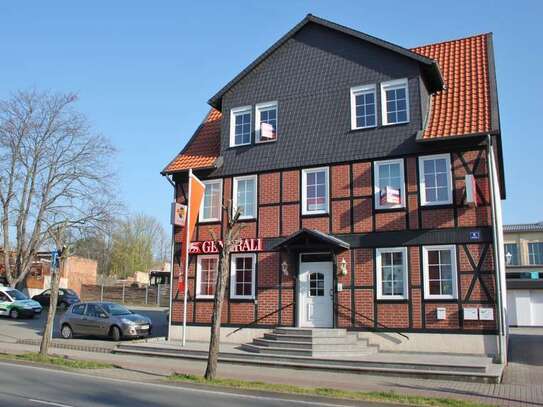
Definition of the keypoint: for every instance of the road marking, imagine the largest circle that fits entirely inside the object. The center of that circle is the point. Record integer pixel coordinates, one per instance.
(49, 403)
(187, 389)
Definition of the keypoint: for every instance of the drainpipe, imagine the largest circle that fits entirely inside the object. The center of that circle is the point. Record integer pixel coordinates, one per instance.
(171, 264)
(502, 346)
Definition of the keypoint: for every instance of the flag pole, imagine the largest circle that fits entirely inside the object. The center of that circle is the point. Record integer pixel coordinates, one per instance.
(186, 265)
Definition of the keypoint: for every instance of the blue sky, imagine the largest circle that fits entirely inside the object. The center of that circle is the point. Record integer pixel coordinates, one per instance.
(144, 70)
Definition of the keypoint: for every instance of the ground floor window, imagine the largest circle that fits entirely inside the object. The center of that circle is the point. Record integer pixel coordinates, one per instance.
(392, 273)
(242, 276)
(439, 269)
(206, 275)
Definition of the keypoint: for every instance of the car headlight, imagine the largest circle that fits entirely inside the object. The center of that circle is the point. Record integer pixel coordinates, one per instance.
(127, 321)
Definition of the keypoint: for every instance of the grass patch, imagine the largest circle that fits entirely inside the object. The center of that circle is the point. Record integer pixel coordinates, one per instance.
(58, 361)
(383, 397)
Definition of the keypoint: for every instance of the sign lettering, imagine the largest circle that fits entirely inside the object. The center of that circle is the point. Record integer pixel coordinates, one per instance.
(212, 246)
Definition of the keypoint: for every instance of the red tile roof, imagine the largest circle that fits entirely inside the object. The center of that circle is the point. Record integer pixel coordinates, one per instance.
(463, 108)
(202, 149)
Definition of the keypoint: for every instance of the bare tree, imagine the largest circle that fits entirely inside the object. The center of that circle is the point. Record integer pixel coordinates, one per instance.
(138, 245)
(53, 171)
(231, 237)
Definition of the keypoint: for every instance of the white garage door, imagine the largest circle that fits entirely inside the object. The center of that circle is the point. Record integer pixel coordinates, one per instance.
(525, 307)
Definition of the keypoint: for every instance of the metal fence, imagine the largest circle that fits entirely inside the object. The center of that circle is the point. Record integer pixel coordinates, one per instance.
(157, 296)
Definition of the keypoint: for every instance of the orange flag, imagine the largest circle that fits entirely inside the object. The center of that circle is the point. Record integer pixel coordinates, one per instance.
(195, 196)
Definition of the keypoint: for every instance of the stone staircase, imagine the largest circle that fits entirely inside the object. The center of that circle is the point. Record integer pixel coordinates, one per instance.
(310, 342)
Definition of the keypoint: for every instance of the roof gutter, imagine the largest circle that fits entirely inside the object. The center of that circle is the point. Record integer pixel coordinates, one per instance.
(498, 251)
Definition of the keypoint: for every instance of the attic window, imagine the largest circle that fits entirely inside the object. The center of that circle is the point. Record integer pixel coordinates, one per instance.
(395, 102)
(266, 122)
(240, 126)
(363, 112)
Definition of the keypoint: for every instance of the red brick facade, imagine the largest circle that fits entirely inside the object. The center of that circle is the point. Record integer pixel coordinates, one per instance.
(351, 212)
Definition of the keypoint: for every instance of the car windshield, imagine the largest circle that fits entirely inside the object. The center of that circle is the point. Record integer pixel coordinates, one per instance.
(116, 309)
(70, 292)
(16, 295)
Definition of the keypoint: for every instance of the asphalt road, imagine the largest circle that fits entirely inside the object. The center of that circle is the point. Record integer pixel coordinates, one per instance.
(32, 328)
(31, 386)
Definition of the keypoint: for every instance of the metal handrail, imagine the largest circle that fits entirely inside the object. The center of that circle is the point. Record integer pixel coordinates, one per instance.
(372, 320)
(260, 319)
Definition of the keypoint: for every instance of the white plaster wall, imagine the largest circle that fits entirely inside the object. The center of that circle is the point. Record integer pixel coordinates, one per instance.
(434, 342)
(201, 333)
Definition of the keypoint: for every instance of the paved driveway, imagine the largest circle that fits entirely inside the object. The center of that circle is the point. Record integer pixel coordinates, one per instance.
(12, 329)
(525, 357)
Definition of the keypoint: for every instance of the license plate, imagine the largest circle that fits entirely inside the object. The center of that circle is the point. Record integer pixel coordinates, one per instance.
(144, 327)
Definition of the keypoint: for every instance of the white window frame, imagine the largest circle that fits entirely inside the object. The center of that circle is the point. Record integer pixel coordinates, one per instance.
(202, 218)
(306, 171)
(422, 184)
(233, 113)
(233, 294)
(379, 273)
(528, 252)
(235, 195)
(519, 257)
(377, 189)
(258, 109)
(199, 274)
(389, 85)
(362, 90)
(454, 273)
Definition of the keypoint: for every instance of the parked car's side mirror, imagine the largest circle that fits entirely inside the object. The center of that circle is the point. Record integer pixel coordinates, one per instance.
(103, 315)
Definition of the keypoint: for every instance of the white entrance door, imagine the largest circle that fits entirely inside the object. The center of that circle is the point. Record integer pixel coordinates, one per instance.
(315, 295)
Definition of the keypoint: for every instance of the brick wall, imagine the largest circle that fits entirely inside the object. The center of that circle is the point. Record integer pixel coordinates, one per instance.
(352, 211)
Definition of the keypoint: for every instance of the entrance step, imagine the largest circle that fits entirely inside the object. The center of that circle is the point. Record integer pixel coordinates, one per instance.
(444, 367)
(318, 342)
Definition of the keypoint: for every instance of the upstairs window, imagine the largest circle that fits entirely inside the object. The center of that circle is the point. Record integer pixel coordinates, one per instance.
(242, 276)
(315, 191)
(392, 273)
(511, 254)
(266, 122)
(435, 179)
(245, 196)
(395, 102)
(389, 184)
(535, 253)
(240, 126)
(206, 275)
(212, 202)
(439, 268)
(363, 112)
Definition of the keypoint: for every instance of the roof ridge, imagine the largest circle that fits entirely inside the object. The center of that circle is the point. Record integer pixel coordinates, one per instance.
(486, 34)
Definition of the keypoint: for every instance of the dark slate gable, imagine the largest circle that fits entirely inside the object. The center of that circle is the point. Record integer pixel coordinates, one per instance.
(310, 76)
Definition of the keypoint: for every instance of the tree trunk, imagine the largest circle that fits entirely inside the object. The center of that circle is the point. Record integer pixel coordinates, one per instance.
(214, 342)
(49, 325)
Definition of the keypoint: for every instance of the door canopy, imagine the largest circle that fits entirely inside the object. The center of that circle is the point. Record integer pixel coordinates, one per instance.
(310, 239)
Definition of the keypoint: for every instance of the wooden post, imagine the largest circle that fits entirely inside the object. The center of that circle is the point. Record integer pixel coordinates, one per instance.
(123, 293)
(102, 293)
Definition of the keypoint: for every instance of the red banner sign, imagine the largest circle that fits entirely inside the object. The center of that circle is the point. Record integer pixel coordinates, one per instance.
(212, 246)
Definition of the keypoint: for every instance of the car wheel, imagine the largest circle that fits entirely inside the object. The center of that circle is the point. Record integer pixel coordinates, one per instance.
(115, 333)
(66, 331)
(14, 314)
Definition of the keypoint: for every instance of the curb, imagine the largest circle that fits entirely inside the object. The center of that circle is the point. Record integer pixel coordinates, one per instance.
(82, 348)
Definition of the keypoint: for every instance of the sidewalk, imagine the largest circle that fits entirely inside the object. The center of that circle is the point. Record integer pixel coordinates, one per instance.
(148, 369)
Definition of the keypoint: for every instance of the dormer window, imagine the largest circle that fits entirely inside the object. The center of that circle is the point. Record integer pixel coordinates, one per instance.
(363, 113)
(395, 102)
(240, 126)
(266, 122)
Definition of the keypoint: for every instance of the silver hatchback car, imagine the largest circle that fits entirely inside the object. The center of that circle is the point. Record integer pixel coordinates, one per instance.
(104, 319)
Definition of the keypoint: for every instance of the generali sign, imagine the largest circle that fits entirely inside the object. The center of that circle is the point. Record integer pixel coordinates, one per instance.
(212, 246)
